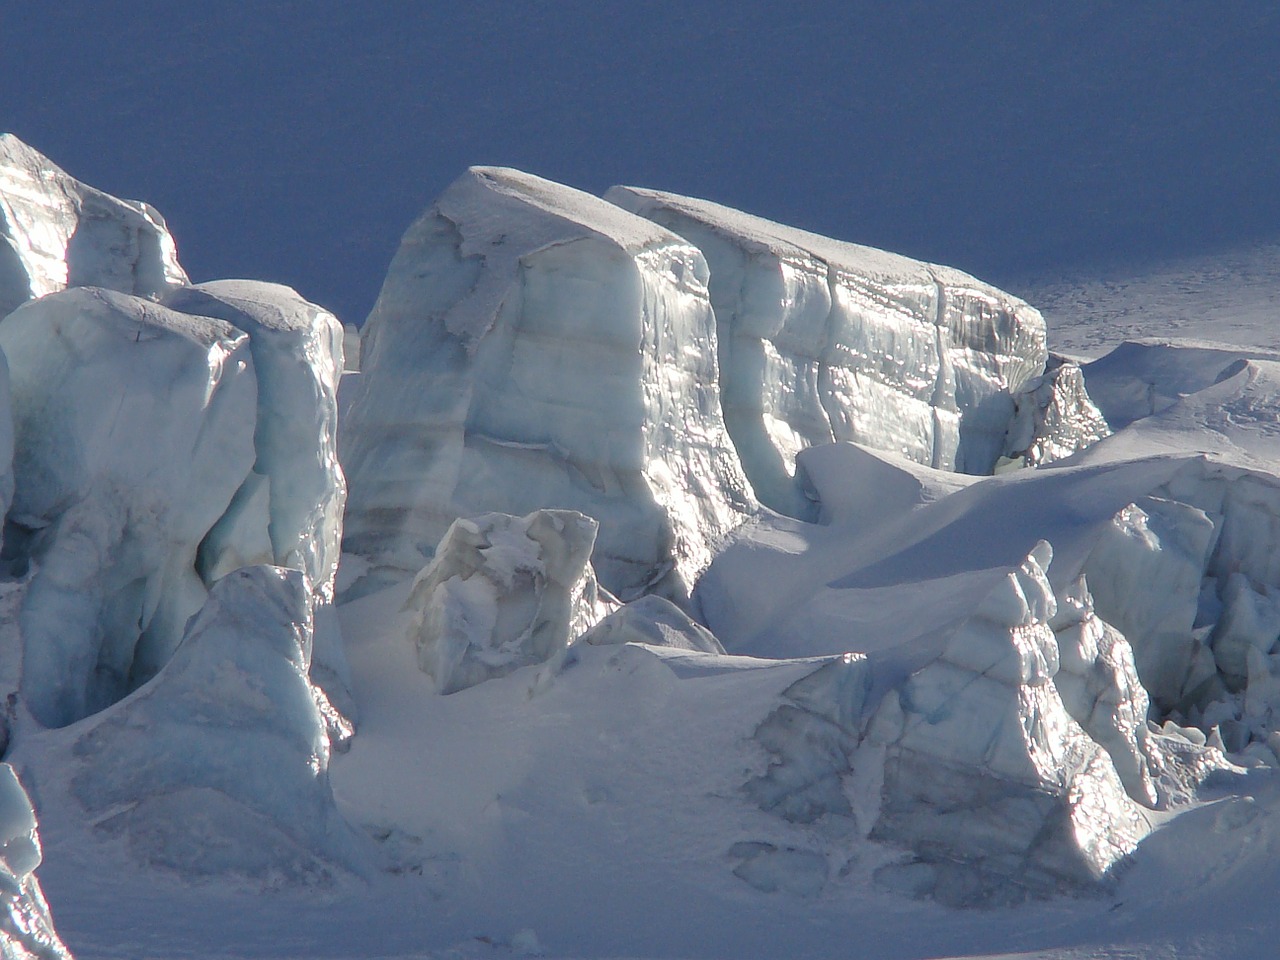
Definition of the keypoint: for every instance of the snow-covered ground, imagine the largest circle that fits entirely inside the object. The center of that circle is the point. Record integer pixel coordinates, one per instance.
(930, 715)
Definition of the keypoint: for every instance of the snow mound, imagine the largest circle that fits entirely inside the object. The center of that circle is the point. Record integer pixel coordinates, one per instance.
(1053, 418)
(56, 232)
(1146, 376)
(654, 621)
(821, 340)
(26, 928)
(504, 592)
(134, 429)
(219, 766)
(535, 347)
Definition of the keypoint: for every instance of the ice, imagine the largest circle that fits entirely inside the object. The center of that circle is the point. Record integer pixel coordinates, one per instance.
(535, 347)
(821, 340)
(56, 232)
(26, 926)
(654, 621)
(297, 354)
(504, 592)
(1053, 418)
(134, 429)
(295, 495)
(219, 765)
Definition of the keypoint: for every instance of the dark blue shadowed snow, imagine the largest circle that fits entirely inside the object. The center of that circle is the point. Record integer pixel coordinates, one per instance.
(295, 141)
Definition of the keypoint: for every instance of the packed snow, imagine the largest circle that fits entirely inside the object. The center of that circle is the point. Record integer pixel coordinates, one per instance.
(994, 669)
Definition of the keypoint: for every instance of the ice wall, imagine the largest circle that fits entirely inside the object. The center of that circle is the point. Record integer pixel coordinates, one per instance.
(535, 347)
(56, 232)
(821, 340)
(134, 429)
(1053, 418)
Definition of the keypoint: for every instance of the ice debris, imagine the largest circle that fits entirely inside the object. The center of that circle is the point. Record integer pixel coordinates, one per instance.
(26, 927)
(504, 592)
(56, 232)
(534, 346)
(1053, 418)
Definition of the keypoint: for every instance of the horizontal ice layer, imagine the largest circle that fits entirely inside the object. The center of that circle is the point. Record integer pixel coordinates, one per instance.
(56, 232)
(502, 593)
(821, 340)
(26, 928)
(535, 347)
(219, 766)
(134, 429)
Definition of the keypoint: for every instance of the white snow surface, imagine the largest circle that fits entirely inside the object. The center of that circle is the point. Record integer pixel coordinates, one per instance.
(821, 340)
(56, 232)
(536, 347)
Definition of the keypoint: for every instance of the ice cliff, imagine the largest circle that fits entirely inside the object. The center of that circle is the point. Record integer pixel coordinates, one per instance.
(536, 347)
(820, 340)
(56, 232)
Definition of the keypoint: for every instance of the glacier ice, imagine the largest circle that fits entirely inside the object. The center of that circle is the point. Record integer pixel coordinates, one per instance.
(821, 340)
(504, 592)
(1053, 418)
(289, 510)
(56, 232)
(26, 927)
(655, 621)
(534, 346)
(219, 765)
(134, 429)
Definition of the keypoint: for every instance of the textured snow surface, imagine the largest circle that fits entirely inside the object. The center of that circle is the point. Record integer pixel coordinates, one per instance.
(821, 340)
(134, 429)
(535, 347)
(503, 592)
(56, 232)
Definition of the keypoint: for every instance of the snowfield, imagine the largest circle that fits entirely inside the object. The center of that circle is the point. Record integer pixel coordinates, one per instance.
(660, 582)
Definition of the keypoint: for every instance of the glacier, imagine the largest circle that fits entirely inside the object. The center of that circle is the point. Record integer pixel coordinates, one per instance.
(1001, 628)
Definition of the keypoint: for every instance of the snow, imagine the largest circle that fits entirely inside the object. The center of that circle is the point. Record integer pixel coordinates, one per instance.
(56, 232)
(535, 347)
(134, 429)
(26, 928)
(821, 340)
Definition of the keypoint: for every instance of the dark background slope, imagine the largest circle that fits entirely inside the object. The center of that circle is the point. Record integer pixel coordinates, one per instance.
(295, 141)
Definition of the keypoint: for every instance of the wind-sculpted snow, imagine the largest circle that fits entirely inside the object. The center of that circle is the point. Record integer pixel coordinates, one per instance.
(654, 621)
(26, 927)
(821, 340)
(219, 766)
(134, 429)
(502, 593)
(56, 232)
(535, 347)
